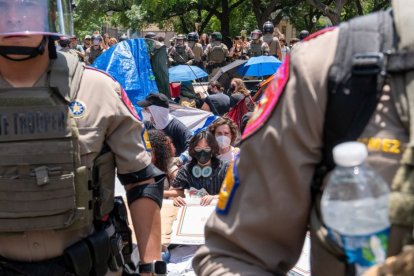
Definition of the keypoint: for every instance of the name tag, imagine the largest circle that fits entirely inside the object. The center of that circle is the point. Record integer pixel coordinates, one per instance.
(29, 123)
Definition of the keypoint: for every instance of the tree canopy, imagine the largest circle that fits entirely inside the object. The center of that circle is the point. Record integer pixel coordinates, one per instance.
(227, 16)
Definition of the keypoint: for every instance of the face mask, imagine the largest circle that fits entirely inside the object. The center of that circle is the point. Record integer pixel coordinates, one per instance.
(223, 141)
(209, 90)
(203, 156)
(160, 116)
(232, 87)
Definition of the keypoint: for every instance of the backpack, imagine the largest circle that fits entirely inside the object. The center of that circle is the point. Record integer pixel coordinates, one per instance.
(355, 83)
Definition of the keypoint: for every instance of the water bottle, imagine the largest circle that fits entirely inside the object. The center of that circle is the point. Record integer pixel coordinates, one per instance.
(354, 207)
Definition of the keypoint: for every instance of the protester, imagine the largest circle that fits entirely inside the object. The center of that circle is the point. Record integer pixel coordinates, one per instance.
(239, 92)
(162, 156)
(112, 41)
(239, 49)
(204, 41)
(77, 48)
(204, 171)
(226, 133)
(86, 42)
(157, 105)
(216, 102)
(284, 48)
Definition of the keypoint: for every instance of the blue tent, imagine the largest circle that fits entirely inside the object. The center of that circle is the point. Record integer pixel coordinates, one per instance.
(128, 62)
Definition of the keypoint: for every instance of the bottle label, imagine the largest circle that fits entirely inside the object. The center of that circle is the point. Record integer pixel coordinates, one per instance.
(366, 250)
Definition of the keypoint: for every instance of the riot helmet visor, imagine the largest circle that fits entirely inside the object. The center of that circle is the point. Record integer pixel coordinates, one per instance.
(31, 17)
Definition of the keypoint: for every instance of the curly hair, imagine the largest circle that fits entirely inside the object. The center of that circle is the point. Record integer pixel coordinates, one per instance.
(162, 149)
(240, 87)
(225, 121)
(211, 141)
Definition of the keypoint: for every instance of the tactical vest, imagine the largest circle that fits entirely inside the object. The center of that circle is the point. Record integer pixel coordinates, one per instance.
(217, 53)
(180, 54)
(94, 54)
(43, 184)
(255, 49)
(273, 43)
(197, 51)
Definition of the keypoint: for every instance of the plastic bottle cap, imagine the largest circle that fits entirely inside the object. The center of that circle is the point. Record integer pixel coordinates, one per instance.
(350, 154)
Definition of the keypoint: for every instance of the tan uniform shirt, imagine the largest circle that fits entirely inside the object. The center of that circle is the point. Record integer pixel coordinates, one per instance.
(106, 119)
(264, 230)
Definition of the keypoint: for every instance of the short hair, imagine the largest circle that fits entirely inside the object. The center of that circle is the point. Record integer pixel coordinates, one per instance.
(225, 121)
(216, 84)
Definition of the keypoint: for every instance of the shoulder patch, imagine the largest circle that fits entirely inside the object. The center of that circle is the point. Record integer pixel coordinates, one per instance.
(77, 109)
(228, 189)
(121, 92)
(267, 103)
(128, 104)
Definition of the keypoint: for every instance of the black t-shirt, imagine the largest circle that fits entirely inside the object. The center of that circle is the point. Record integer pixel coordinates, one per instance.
(235, 98)
(178, 132)
(212, 184)
(219, 103)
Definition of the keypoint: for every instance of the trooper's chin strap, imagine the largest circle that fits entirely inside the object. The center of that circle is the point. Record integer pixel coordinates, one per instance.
(30, 52)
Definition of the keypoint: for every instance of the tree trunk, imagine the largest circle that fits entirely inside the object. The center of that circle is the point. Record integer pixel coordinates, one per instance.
(359, 8)
(225, 18)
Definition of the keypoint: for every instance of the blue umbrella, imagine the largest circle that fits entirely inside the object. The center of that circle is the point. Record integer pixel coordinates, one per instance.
(186, 73)
(260, 66)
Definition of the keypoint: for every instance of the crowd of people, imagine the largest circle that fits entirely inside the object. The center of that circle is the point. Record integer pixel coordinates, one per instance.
(195, 161)
(91, 48)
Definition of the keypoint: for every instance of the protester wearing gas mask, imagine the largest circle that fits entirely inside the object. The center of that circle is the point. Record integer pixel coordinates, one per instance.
(204, 171)
(226, 133)
(157, 115)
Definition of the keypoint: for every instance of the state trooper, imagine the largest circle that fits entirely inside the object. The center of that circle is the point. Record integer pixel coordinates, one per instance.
(196, 47)
(257, 47)
(362, 89)
(271, 40)
(64, 128)
(216, 53)
(180, 53)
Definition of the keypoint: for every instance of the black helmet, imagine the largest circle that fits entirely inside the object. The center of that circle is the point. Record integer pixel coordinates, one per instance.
(151, 35)
(216, 36)
(268, 27)
(123, 37)
(193, 36)
(303, 34)
(255, 34)
(64, 41)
